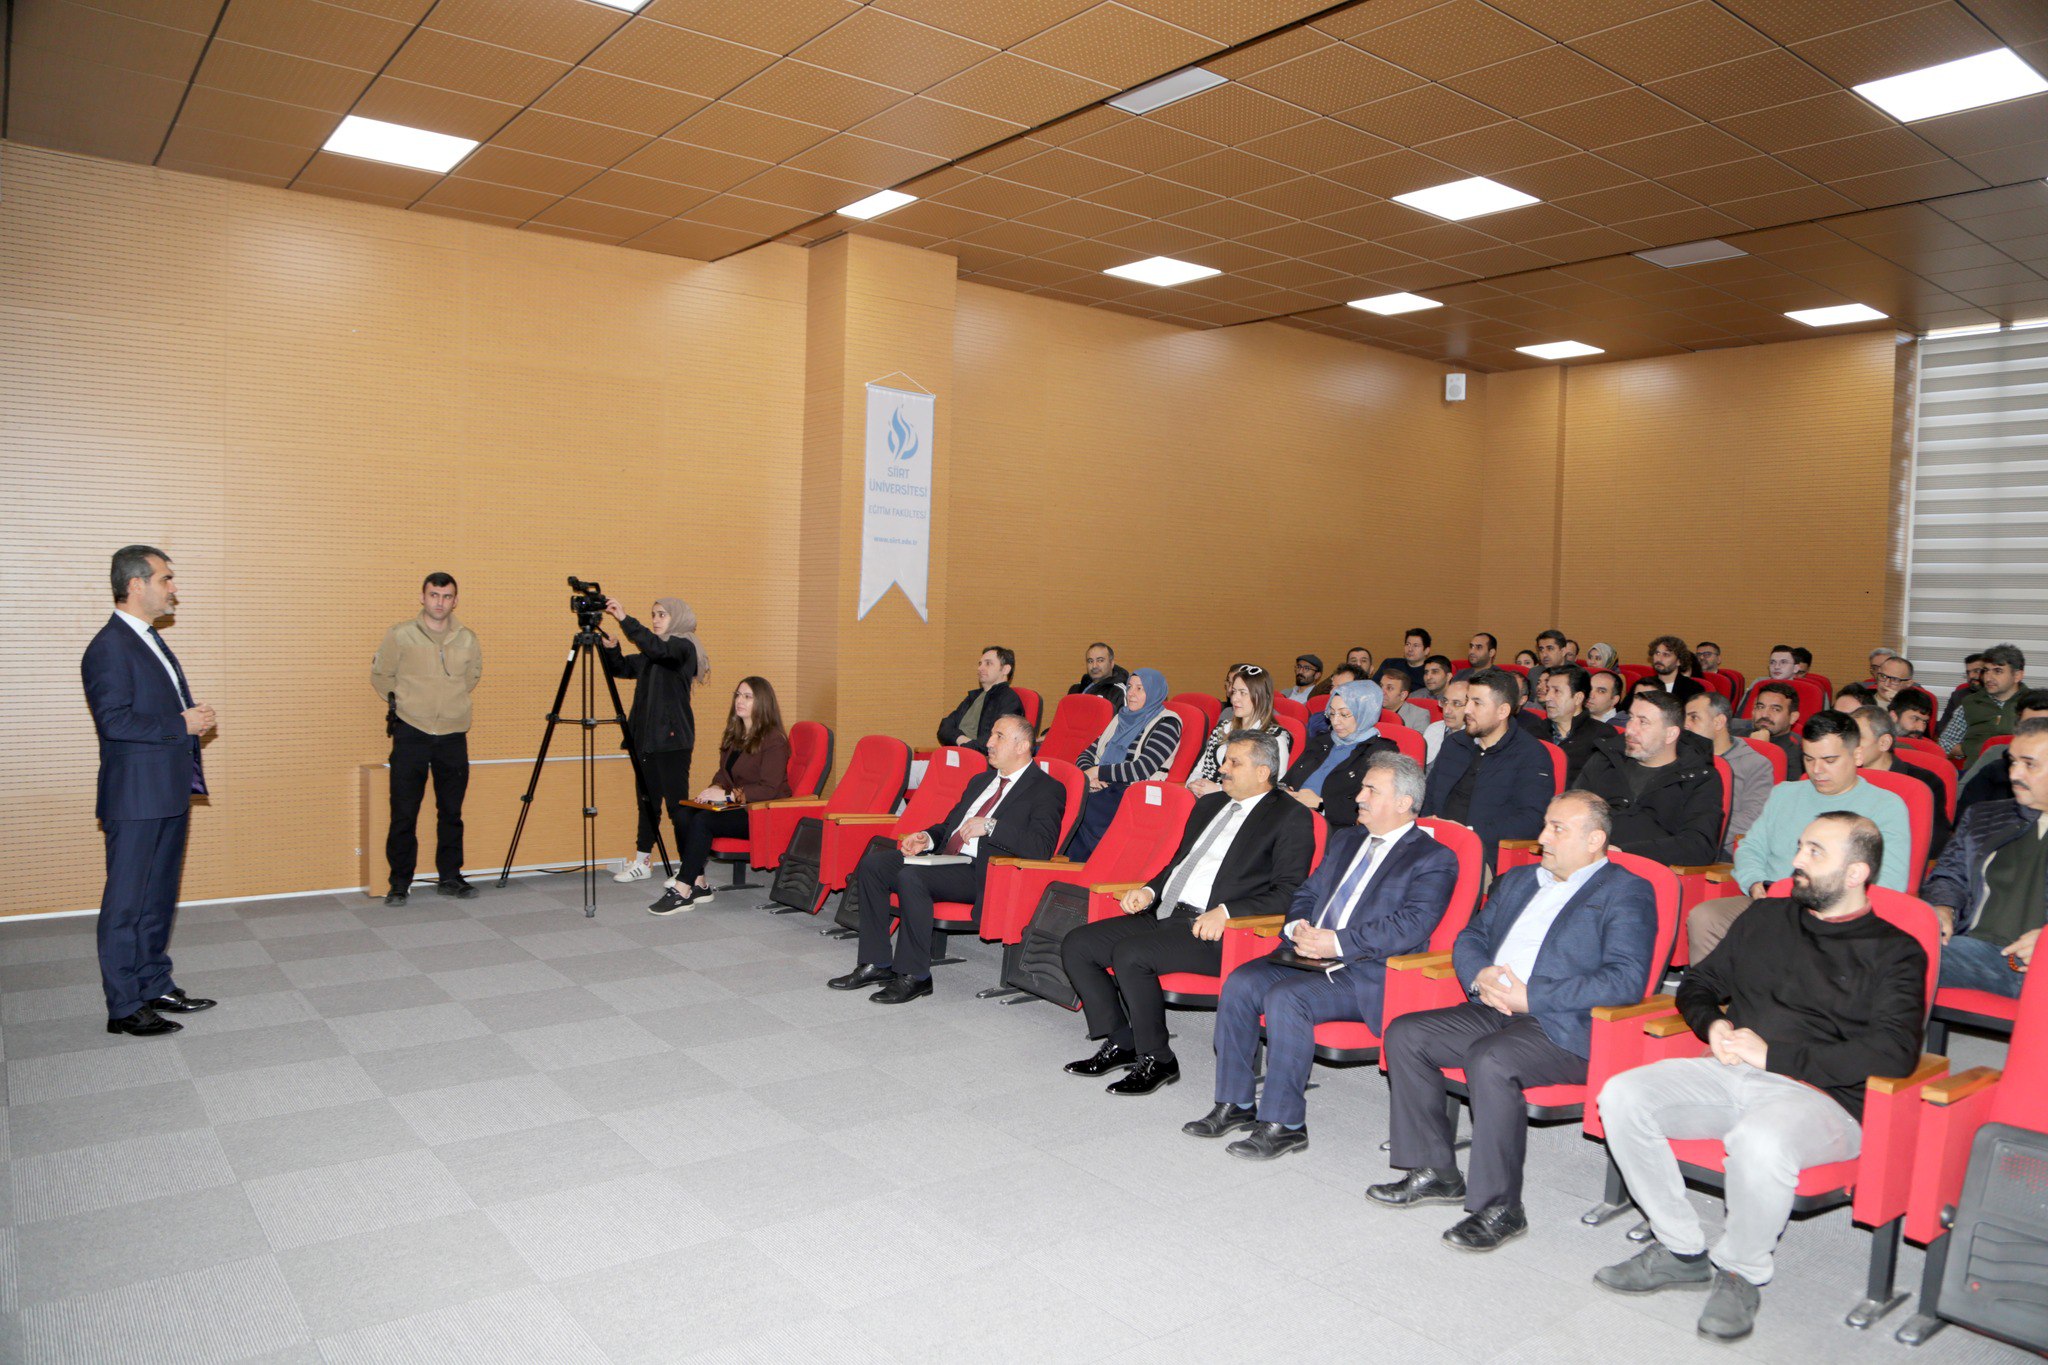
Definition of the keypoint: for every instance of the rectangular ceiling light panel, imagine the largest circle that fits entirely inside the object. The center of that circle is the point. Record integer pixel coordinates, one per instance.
(1969, 83)
(877, 204)
(1836, 316)
(1560, 350)
(1162, 271)
(397, 145)
(1462, 199)
(1388, 305)
(1691, 253)
(1166, 90)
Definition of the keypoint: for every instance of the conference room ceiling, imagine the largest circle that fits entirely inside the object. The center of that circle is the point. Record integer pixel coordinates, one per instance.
(701, 128)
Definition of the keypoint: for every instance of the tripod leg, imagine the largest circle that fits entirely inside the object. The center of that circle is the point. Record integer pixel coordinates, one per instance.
(590, 784)
(547, 736)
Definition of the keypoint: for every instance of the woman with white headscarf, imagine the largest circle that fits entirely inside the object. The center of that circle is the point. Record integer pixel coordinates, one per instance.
(671, 660)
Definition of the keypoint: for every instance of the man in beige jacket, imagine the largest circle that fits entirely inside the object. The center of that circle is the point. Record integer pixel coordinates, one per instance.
(425, 670)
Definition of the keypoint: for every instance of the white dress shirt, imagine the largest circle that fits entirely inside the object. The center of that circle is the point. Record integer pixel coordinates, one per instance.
(1202, 880)
(1009, 786)
(1525, 941)
(1379, 860)
(142, 628)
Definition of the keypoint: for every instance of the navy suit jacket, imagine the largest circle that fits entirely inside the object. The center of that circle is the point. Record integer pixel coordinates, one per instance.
(1596, 953)
(149, 766)
(1509, 800)
(1404, 903)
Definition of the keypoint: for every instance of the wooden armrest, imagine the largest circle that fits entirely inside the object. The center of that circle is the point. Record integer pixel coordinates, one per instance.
(1656, 1004)
(1408, 962)
(1519, 845)
(1667, 1026)
(856, 818)
(1930, 1067)
(1114, 888)
(781, 801)
(1439, 971)
(1033, 864)
(1722, 874)
(1961, 1085)
(1266, 926)
(1706, 870)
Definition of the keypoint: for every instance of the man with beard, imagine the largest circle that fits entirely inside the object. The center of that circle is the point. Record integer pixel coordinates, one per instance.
(1104, 677)
(1807, 998)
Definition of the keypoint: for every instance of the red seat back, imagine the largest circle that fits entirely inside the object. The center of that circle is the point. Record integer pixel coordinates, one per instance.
(1913, 915)
(1077, 722)
(1465, 894)
(1813, 698)
(1822, 681)
(874, 778)
(1993, 743)
(1429, 704)
(946, 775)
(1322, 828)
(1297, 740)
(1737, 684)
(810, 757)
(1941, 770)
(1631, 674)
(1287, 706)
(1557, 767)
(1210, 709)
(2026, 1056)
(1773, 755)
(1141, 839)
(1718, 682)
(1908, 745)
(1032, 706)
(1919, 816)
(1406, 740)
(1664, 882)
(1727, 794)
(1193, 735)
(1068, 776)
(1317, 704)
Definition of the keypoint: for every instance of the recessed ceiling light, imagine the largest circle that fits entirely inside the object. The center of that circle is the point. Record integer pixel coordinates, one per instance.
(1691, 253)
(1560, 350)
(877, 204)
(394, 143)
(1161, 271)
(630, 6)
(1974, 329)
(1143, 99)
(1387, 305)
(1987, 78)
(1466, 198)
(1836, 316)
(2024, 323)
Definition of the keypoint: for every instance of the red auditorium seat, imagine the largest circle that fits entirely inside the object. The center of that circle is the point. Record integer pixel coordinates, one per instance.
(848, 834)
(1211, 709)
(1287, 706)
(1409, 742)
(873, 783)
(1193, 735)
(1077, 722)
(1429, 704)
(1297, 740)
(1875, 1183)
(1941, 770)
(1773, 755)
(960, 916)
(1198, 990)
(1032, 706)
(810, 758)
(1147, 828)
(1919, 816)
(1318, 704)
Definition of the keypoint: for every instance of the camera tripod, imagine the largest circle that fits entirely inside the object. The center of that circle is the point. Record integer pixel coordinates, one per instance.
(583, 651)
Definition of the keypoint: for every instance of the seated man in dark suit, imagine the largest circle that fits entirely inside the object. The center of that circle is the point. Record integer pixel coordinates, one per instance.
(1663, 792)
(968, 724)
(1246, 849)
(1015, 794)
(1551, 943)
(1565, 691)
(1380, 891)
(1492, 775)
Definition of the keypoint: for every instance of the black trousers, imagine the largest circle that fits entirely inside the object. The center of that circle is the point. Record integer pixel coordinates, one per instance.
(1129, 1009)
(145, 860)
(695, 829)
(881, 871)
(414, 755)
(1500, 1054)
(667, 776)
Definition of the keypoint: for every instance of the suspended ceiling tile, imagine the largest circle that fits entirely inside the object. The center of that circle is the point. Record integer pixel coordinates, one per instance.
(606, 220)
(1565, 20)
(778, 26)
(326, 170)
(1902, 42)
(998, 198)
(1605, 120)
(863, 159)
(678, 59)
(277, 76)
(1742, 179)
(171, 163)
(926, 125)
(1395, 173)
(891, 50)
(725, 127)
(481, 196)
(817, 194)
(1787, 206)
(1420, 115)
(1676, 40)
(1309, 196)
(1996, 126)
(999, 25)
(309, 28)
(1117, 46)
(1065, 172)
(1763, 81)
(748, 215)
(1499, 149)
(1825, 118)
(432, 57)
(87, 34)
(636, 106)
(1333, 77)
(1451, 39)
(1142, 144)
(1543, 79)
(1318, 146)
(663, 198)
(812, 94)
(548, 28)
(1228, 172)
(274, 162)
(1079, 218)
(1686, 149)
(697, 241)
(1229, 218)
(1865, 154)
(1376, 220)
(567, 139)
(440, 111)
(526, 170)
(1021, 239)
(79, 106)
(1020, 90)
(1249, 59)
(1577, 174)
(1151, 197)
(247, 116)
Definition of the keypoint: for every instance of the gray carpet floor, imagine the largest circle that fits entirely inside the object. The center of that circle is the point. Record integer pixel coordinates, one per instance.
(497, 1131)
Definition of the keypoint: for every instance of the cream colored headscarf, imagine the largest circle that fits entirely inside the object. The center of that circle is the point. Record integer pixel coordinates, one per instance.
(682, 621)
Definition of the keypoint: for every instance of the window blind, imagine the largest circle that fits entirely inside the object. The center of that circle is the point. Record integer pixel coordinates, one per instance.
(1977, 558)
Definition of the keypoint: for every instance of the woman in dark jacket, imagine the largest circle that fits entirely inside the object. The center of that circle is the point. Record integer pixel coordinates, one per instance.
(753, 765)
(1332, 765)
(670, 661)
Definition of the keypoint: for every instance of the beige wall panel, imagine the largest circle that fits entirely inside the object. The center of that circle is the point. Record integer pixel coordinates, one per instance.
(1516, 552)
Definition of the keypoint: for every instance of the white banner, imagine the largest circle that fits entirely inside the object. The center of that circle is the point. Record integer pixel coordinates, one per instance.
(895, 523)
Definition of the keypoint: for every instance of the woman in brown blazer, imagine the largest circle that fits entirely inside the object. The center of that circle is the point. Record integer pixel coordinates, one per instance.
(753, 765)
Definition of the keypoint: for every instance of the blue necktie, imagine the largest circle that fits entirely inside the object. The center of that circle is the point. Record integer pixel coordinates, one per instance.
(184, 696)
(1348, 891)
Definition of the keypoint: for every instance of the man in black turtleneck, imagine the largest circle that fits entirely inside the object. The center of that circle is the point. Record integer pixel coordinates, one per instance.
(1807, 998)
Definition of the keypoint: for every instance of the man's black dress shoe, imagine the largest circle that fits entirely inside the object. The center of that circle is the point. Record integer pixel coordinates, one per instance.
(1488, 1228)
(1107, 1058)
(1224, 1118)
(1147, 1076)
(865, 975)
(394, 897)
(144, 1023)
(1269, 1140)
(458, 888)
(1420, 1186)
(902, 990)
(177, 1002)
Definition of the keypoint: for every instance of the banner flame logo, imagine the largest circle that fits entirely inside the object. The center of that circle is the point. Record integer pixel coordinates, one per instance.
(902, 438)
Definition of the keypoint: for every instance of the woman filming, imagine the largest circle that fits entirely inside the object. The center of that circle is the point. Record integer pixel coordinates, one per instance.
(669, 662)
(753, 765)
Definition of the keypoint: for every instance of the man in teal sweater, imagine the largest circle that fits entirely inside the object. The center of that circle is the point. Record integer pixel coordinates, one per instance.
(1828, 741)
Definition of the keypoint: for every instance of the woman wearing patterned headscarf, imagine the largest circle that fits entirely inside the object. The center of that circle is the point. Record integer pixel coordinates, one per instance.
(1332, 764)
(663, 728)
(1138, 746)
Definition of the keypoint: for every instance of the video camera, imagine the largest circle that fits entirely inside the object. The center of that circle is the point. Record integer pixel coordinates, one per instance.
(587, 601)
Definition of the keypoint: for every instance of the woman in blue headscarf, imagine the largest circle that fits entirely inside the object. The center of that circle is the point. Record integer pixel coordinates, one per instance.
(1332, 765)
(1138, 746)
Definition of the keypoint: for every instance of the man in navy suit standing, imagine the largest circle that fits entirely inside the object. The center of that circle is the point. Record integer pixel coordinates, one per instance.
(1380, 891)
(1551, 943)
(149, 728)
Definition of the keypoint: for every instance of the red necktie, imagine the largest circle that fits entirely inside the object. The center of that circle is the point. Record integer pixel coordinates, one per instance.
(958, 841)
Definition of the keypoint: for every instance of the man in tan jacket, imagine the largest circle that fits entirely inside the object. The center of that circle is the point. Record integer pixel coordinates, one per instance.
(425, 670)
